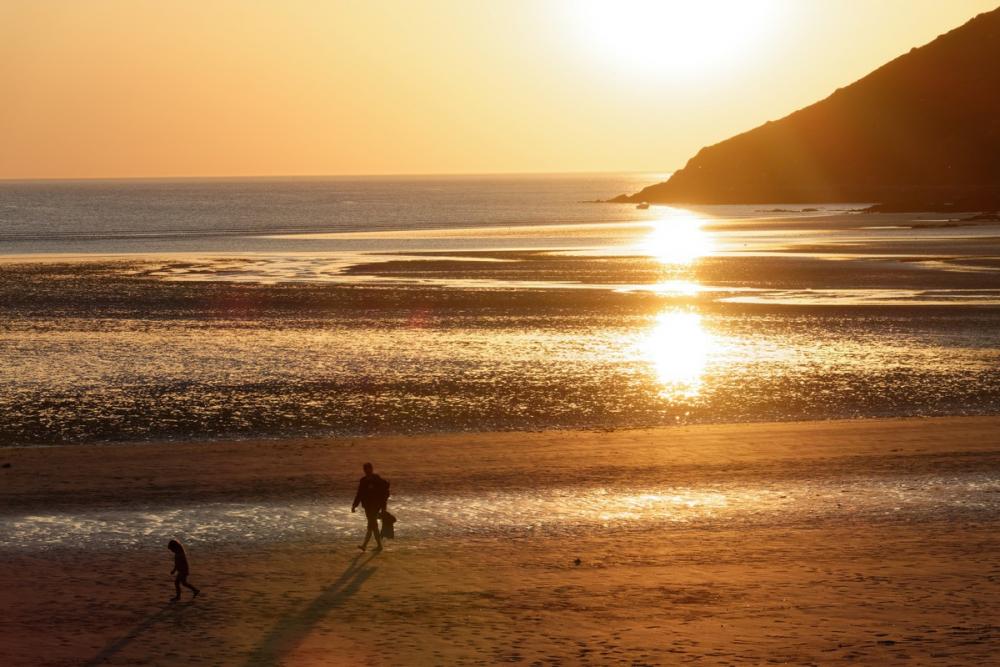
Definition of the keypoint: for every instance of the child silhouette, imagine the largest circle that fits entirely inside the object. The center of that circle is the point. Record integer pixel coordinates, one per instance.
(182, 569)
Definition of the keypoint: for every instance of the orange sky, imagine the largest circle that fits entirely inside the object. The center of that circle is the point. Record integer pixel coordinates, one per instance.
(141, 88)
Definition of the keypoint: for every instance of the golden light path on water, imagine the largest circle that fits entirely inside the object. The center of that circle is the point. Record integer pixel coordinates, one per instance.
(678, 345)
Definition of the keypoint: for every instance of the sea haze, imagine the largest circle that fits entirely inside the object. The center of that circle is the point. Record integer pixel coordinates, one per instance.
(158, 310)
(229, 214)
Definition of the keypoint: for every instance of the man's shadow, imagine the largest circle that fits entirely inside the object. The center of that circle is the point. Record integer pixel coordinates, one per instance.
(168, 610)
(291, 630)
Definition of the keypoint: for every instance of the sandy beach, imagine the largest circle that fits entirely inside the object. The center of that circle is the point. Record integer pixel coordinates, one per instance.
(826, 542)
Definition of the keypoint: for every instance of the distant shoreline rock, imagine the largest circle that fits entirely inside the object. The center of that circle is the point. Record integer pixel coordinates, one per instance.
(986, 207)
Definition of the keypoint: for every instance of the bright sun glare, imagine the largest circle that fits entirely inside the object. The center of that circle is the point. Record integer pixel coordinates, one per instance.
(676, 238)
(678, 347)
(673, 37)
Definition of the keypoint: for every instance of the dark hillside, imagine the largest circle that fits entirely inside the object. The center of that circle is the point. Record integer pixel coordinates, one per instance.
(923, 129)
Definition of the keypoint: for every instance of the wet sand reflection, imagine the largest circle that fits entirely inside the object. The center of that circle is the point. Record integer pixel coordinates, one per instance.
(495, 512)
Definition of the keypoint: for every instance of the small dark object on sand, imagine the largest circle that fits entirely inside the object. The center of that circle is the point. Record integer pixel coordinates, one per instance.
(6, 465)
(577, 561)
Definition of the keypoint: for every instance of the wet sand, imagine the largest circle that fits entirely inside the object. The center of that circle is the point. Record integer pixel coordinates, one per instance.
(818, 581)
(109, 352)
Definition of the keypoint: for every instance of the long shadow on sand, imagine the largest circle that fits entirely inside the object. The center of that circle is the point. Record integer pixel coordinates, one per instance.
(291, 630)
(168, 610)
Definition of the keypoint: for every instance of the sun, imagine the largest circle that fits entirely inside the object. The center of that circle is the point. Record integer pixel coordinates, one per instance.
(673, 37)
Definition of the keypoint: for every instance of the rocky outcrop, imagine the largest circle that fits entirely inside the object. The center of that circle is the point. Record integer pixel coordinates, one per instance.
(920, 131)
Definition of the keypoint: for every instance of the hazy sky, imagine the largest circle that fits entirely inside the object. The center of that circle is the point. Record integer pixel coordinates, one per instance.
(103, 88)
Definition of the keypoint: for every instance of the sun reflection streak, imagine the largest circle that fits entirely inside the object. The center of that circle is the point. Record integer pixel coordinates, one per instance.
(678, 347)
(676, 238)
(677, 288)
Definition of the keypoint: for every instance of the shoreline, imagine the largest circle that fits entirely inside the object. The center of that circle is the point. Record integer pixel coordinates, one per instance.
(229, 462)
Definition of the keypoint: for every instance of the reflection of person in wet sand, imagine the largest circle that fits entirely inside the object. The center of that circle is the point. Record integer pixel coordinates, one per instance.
(373, 493)
(182, 569)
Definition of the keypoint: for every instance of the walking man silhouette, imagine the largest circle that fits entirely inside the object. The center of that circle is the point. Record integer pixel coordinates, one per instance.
(373, 493)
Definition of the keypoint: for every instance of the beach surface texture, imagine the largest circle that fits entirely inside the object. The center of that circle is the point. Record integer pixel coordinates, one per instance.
(872, 541)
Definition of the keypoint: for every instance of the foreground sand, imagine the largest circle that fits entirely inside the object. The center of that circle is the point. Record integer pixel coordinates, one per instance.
(913, 589)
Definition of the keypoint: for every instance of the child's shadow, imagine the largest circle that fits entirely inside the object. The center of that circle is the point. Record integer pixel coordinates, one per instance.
(169, 610)
(291, 630)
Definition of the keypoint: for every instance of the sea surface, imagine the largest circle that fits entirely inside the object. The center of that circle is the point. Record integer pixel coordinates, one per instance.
(248, 308)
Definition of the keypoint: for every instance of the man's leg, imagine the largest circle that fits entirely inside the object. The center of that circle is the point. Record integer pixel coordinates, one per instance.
(368, 536)
(373, 529)
(369, 532)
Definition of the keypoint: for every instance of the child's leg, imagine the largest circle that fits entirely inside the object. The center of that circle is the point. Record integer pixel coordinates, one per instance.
(177, 587)
(184, 582)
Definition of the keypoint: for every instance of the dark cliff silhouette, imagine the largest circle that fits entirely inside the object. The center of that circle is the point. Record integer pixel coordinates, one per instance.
(920, 131)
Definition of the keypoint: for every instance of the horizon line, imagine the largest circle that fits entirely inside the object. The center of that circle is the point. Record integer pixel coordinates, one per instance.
(471, 174)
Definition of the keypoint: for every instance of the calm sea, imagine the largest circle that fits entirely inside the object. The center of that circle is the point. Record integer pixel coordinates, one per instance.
(223, 215)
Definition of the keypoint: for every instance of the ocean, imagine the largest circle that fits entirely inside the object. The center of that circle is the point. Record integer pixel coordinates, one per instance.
(273, 308)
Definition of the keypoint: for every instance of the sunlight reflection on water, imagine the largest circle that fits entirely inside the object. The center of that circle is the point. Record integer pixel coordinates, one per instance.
(457, 340)
(677, 237)
(678, 348)
(79, 380)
